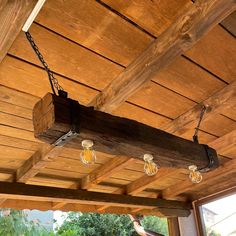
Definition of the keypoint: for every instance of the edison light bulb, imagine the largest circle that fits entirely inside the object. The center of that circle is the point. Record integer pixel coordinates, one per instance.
(150, 168)
(194, 175)
(88, 155)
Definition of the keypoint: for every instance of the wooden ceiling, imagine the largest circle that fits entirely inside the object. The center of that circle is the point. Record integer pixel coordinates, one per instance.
(87, 45)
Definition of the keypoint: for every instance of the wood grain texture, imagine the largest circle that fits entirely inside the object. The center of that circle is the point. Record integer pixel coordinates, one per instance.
(223, 99)
(113, 135)
(42, 205)
(24, 192)
(154, 16)
(93, 26)
(212, 53)
(105, 171)
(180, 37)
(13, 15)
(230, 23)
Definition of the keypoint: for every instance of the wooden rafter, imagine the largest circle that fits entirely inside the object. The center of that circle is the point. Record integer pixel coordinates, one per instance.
(196, 21)
(223, 99)
(40, 193)
(105, 171)
(224, 170)
(13, 15)
(36, 162)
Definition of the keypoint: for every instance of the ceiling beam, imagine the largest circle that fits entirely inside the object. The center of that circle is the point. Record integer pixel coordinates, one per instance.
(36, 162)
(41, 193)
(142, 183)
(196, 21)
(105, 171)
(114, 135)
(43, 205)
(13, 15)
(221, 100)
(175, 190)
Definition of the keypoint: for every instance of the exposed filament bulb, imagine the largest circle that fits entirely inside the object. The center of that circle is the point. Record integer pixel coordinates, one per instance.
(195, 176)
(88, 155)
(150, 167)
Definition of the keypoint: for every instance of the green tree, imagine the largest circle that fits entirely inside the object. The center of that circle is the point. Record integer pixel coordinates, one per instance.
(156, 224)
(16, 223)
(96, 225)
(91, 224)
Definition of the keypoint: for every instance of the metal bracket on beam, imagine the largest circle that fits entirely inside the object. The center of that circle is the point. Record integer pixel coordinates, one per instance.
(74, 132)
(213, 161)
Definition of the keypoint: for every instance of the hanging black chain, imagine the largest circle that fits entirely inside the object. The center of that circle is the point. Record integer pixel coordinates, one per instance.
(53, 81)
(195, 136)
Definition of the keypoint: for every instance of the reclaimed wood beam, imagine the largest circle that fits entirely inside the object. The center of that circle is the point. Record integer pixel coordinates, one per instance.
(196, 21)
(114, 135)
(221, 100)
(13, 15)
(105, 171)
(41, 193)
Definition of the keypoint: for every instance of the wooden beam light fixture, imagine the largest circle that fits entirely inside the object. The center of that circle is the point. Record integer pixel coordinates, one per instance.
(64, 122)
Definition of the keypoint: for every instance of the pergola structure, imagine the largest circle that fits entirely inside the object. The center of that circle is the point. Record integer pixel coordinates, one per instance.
(156, 62)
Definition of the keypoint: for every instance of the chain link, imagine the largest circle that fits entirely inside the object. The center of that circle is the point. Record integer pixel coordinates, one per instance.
(53, 81)
(195, 136)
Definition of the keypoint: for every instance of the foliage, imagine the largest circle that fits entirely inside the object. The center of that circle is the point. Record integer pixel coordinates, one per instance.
(90, 224)
(15, 223)
(211, 232)
(155, 224)
(97, 225)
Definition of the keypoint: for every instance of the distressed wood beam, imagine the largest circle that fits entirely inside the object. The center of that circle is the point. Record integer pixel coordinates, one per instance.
(105, 171)
(223, 99)
(41, 193)
(2, 200)
(13, 15)
(196, 21)
(114, 135)
(223, 143)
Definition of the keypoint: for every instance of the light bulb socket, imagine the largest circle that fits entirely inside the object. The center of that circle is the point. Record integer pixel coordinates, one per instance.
(147, 157)
(87, 143)
(192, 168)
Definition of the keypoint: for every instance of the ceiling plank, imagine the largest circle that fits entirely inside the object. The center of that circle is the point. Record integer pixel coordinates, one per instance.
(13, 15)
(196, 21)
(222, 100)
(42, 193)
(105, 171)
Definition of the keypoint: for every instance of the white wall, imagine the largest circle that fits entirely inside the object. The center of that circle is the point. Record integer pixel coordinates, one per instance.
(187, 225)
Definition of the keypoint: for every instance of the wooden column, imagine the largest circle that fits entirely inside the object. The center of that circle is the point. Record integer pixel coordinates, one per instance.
(173, 226)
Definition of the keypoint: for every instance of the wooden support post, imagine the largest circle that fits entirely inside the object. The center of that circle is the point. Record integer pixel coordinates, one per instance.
(196, 21)
(173, 226)
(51, 194)
(13, 15)
(115, 135)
